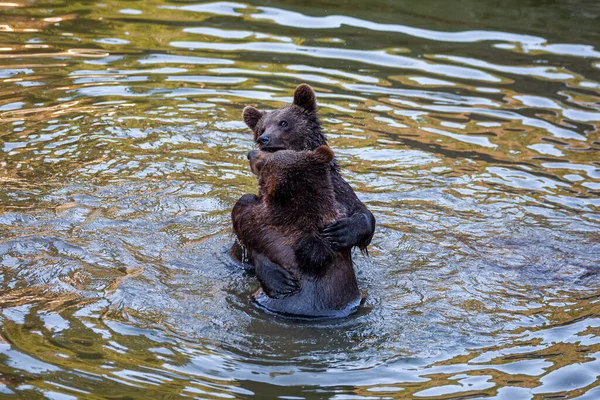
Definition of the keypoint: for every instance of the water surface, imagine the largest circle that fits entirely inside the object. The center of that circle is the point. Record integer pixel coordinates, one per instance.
(469, 129)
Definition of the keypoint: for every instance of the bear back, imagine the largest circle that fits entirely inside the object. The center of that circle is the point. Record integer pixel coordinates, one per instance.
(296, 186)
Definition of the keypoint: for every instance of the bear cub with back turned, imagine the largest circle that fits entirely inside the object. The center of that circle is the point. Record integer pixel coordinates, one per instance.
(299, 273)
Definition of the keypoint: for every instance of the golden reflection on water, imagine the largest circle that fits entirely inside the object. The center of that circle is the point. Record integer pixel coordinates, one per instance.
(470, 131)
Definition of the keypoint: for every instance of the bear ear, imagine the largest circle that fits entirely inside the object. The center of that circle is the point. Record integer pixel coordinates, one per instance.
(271, 186)
(324, 154)
(257, 162)
(304, 97)
(251, 116)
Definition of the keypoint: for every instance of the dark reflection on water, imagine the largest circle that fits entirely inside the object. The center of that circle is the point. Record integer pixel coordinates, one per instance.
(470, 130)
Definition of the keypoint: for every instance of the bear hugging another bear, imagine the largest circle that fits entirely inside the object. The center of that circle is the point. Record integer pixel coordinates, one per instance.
(300, 229)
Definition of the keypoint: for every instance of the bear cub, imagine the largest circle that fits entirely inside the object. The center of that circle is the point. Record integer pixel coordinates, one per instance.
(296, 127)
(299, 272)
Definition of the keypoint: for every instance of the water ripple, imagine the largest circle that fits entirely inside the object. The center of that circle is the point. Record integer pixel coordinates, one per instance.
(470, 131)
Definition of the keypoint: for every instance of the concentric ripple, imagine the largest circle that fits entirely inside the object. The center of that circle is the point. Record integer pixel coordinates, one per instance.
(469, 129)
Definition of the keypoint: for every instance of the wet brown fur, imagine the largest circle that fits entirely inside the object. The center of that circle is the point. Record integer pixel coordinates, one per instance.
(280, 226)
(296, 199)
(304, 132)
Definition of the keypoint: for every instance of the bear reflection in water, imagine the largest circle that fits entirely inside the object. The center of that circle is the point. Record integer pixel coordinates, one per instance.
(299, 231)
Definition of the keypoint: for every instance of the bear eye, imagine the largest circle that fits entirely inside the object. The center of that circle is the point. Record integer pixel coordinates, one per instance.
(283, 124)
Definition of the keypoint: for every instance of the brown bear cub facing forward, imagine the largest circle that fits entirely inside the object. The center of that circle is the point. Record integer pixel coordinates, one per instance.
(299, 272)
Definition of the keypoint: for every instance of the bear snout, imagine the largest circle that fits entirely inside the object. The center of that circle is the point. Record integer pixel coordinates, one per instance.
(264, 139)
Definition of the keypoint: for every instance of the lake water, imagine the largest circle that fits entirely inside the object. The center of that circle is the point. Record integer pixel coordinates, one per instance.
(469, 129)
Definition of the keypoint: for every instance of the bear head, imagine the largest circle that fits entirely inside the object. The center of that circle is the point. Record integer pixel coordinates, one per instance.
(293, 127)
(300, 177)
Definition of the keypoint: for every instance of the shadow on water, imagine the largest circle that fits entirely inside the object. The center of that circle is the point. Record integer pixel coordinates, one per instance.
(469, 129)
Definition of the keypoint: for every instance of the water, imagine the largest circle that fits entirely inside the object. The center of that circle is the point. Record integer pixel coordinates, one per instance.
(469, 129)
